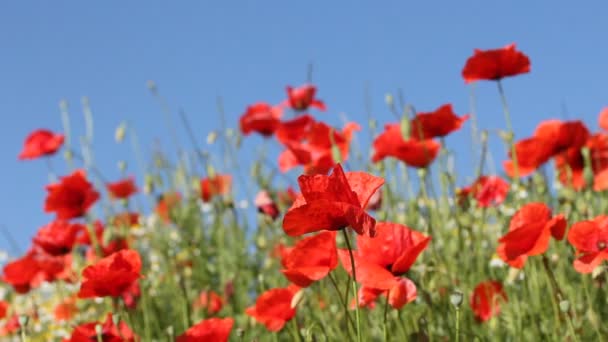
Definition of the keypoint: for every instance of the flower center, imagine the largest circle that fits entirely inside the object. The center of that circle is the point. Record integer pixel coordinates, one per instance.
(601, 245)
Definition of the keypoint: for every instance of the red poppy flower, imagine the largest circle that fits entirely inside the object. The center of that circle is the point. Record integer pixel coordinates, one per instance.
(111, 276)
(303, 97)
(65, 310)
(212, 329)
(316, 153)
(332, 202)
(110, 332)
(126, 219)
(493, 65)
(261, 118)
(273, 307)
(40, 143)
(216, 185)
(34, 268)
(529, 233)
(486, 298)
(166, 203)
(57, 237)
(401, 293)
(439, 123)
(266, 205)
(122, 189)
(311, 259)
(590, 239)
(294, 130)
(413, 152)
(3, 308)
(399, 246)
(11, 326)
(71, 197)
(551, 138)
(603, 119)
(488, 191)
(209, 300)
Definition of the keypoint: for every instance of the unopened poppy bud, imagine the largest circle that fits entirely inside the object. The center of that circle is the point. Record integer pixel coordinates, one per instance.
(240, 332)
(23, 319)
(388, 98)
(151, 85)
(99, 331)
(597, 272)
(122, 165)
(507, 137)
(68, 155)
(115, 319)
(211, 137)
(456, 298)
(297, 298)
(121, 131)
(484, 136)
(422, 173)
(564, 306)
(405, 127)
(229, 133)
(372, 124)
(210, 171)
(169, 331)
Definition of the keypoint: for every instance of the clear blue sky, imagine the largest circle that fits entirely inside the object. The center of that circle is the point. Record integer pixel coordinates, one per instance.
(249, 50)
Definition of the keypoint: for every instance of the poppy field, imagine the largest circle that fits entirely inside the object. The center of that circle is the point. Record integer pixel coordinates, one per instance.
(368, 243)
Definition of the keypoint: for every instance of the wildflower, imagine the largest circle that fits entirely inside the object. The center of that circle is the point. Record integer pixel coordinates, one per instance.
(493, 65)
(166, 203)
(216, 185)
(71, 197)
(551, 138)
(273, 307)
(122, 189)
(294, 130)
(529, 233)
(57, 237)
(590, 239)
(487, 190)
(311, 259)
(209, 300)
(266, 205)
(110, 332)
(603, 119)
(486, 298)
(317, 153)
(212, 329)
(439, 123)
(332, 202)
(381, 261)
(261, 118)
(35, 267)
(413, 152)
(111, 276)
(40, 143)
(303, 97)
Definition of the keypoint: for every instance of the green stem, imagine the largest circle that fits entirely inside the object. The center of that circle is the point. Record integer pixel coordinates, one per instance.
(343, 301)
(559, 295)
(352, 264)
(385, 325)
(457, 324)
(505, 108)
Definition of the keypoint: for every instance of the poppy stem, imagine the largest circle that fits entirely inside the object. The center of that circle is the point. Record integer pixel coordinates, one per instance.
(385, 325)
(510, 141)
(343, 301)
(457, 324)
(356, 294)
(560, 299)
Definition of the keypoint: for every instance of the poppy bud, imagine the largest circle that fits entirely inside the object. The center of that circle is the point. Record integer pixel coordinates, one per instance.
(456, 298)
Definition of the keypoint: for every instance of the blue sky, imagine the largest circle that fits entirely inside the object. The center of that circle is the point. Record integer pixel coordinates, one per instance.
(249, 51)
